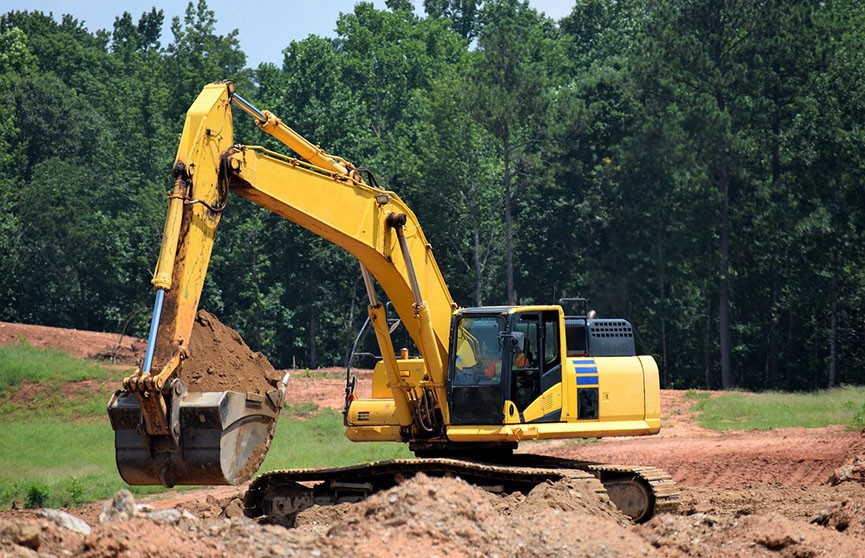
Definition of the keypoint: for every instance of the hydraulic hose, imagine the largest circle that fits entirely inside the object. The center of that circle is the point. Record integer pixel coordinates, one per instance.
(154, 328)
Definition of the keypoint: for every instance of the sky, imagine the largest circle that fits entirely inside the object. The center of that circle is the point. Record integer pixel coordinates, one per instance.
(264, 27)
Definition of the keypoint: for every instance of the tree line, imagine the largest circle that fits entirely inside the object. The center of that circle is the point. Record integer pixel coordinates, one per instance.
(695, 167)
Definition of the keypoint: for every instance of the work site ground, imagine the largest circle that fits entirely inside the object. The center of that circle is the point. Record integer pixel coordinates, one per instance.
(784, 492)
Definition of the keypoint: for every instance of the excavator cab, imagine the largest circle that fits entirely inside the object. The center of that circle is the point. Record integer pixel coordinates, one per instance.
(504, 359)
(536, 366)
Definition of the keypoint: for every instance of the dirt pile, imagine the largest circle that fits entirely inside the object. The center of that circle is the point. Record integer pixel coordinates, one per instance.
(448, 517)
(566, 495)
(219, 360)
(435, 516)
(702, 535)
(423, 516)
(133, 530)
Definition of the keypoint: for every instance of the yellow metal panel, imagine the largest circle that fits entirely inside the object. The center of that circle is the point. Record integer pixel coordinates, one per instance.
(548, 431)
(530, 308)
(621, 393)
(374, 434)
(569, 387)
(411, 371)
(511, 414)
(373, 412)
(549, 401)
(653, 390)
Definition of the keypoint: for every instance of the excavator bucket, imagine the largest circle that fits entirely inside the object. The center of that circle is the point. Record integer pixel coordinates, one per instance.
(215, 437)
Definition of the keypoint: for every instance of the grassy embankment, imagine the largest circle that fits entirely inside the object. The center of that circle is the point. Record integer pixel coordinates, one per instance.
(57, 447)
(763, 411)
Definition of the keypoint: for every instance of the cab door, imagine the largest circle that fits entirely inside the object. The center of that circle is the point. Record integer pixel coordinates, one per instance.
(536, 372)
(476, 393)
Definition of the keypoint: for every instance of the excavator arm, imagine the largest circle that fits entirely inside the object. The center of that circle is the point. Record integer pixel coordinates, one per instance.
(154, 417)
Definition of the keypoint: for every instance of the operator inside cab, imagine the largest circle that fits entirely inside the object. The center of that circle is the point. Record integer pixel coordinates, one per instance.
(520, 358)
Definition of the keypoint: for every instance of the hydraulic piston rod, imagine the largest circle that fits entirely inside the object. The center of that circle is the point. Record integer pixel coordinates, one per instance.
(269, 123)
(154, 328)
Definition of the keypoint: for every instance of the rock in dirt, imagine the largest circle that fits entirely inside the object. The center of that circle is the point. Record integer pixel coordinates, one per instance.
(233, 509)
(852, 471)
(120, 508)
(27, 535)
(164, 517)
(65, 520)
(219, 360)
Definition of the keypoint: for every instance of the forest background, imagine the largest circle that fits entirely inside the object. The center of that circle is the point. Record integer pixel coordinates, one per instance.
(697, 167)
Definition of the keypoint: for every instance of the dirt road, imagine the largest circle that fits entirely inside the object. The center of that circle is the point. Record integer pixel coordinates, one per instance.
(743, 494)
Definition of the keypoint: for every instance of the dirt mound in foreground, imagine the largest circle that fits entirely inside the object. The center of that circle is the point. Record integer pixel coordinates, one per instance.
(702, 535)
(421, 517)
(219, 360)
(439, 516)
(566, 495)
(449, 517)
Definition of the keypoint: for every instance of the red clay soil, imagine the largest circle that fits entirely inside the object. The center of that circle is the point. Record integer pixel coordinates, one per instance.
(697, 457)
(743, 494)
(219, 360)
(84, 344)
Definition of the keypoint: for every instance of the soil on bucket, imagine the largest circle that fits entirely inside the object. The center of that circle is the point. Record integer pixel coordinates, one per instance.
(219, 360)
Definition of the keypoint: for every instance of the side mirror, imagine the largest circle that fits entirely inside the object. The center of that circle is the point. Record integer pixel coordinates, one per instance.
(518, 338)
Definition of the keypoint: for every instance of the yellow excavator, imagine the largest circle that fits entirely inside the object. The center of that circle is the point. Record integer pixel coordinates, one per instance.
(486, 379)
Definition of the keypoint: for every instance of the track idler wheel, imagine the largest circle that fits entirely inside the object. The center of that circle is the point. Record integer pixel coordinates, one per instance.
(632, 496)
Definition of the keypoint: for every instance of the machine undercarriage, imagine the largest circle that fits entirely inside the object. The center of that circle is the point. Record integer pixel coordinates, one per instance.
(278, 496)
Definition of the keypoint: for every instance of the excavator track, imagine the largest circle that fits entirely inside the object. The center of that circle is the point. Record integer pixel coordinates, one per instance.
(639, 491)
(661, 489)
(278, 496)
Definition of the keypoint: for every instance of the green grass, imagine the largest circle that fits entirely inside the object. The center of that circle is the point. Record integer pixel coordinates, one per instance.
(33, 384)
(52, 403)
(764, 411)
(318, 440)
(72, 462)
(22, 362)
(57, 446)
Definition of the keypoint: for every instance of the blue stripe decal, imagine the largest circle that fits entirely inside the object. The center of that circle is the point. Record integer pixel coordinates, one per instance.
(584, 366)
(587, 380)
